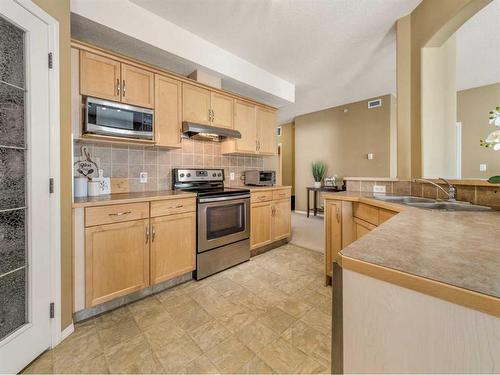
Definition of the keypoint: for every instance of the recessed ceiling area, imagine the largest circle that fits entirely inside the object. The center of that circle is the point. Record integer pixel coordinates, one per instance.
(334, 51)
(478, 52)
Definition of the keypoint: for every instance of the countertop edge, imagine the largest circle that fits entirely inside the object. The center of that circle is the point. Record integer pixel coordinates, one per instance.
(266, 188)
(159, 197)
(447, 292)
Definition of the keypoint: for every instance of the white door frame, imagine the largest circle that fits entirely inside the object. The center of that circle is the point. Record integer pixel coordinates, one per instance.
(55, 198)
(458, 128)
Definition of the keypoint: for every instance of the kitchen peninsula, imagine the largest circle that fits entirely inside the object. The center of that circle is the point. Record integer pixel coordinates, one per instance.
(422, 284)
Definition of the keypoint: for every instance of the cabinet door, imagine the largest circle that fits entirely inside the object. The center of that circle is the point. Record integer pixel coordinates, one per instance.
(167, 111)
(173, 246)
(266, 131)
(99, 76)
(281, 222)
(195, 104)
(222, 110)
(260, 223)
(116, 260)
(138, 86)
(361, 228)
(245, 123)
(333, 233)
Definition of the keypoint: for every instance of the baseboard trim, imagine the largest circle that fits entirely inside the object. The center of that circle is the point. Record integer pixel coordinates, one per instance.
(67, 331)
(266, 248)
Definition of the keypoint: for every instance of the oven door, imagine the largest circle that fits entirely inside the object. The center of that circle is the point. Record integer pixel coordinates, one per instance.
(223, 220)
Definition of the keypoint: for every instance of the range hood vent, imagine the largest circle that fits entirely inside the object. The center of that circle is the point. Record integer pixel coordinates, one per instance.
(207, 133)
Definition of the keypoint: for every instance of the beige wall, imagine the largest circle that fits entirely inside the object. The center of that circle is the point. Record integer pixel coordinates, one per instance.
(342, 140)
(473, 107)
(429, 25)
(59, 9)
(439, 110)
(287, 140)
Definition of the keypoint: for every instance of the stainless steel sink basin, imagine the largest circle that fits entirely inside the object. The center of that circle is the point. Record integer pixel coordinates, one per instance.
(450, 206)
(405, 199)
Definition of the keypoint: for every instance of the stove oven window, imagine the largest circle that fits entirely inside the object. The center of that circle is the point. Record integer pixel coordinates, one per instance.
(225, 220)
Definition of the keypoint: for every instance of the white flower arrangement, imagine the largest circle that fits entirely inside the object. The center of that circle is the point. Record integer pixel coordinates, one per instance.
(493, 139)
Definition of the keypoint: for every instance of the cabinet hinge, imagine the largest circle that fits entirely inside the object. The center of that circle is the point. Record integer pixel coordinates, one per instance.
(51, 185)
(51, 60)
(51, 310)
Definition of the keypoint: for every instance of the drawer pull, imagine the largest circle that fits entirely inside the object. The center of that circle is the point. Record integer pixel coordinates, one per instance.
(120, 213)
(179, 206)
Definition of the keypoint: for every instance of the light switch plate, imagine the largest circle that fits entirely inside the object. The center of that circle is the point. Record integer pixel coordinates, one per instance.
(231, 176)
(143, 177)
(378, 189)
(482, 167)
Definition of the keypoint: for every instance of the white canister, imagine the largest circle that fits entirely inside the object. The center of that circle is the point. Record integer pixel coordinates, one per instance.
(80, 187)
(94, 188)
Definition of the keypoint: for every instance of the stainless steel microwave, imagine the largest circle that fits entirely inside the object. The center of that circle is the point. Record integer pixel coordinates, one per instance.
(105, 117)
(260, 178)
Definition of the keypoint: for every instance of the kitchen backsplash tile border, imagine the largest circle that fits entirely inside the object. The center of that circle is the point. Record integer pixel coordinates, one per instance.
(127, 161)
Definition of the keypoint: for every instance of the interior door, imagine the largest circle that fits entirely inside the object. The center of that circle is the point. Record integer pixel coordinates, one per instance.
(24, 195)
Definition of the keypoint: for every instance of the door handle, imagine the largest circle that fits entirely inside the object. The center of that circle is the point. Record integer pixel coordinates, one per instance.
(153, 233)
(147, 234)
(123, 88)
(120, 213)
(118, 86)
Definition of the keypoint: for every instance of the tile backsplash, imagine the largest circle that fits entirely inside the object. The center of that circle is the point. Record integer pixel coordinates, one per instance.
(128, 161)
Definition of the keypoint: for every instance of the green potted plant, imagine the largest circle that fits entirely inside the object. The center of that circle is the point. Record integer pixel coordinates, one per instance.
(318, 171)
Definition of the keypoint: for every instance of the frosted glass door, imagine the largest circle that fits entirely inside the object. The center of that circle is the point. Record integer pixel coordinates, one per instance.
(13, 254)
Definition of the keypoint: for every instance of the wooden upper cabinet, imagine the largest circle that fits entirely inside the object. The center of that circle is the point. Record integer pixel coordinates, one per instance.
(168, 122)
(173, 246)
(137, 86)
(266, 131)
(281, 223)
(244, 122)
(222, 110)
(99, 76)
(195, 104)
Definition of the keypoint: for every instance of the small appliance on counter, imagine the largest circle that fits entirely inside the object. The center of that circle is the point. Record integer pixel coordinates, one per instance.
(260, 178)
(223, 223)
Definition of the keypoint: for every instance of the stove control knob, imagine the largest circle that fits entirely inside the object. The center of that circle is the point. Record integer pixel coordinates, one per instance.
(219, 174)
(188, 175)
(181, 175)
(214, 174)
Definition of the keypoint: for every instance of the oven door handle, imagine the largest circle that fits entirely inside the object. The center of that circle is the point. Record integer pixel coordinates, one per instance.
(221, 199)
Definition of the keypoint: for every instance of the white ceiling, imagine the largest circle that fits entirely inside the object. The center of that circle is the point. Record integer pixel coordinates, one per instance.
(478, 49)
(335, 51)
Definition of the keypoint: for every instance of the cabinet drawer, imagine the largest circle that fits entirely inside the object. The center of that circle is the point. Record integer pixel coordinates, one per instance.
(366, 212)
(282, 194)
(116, 213)
(261, 196)
(172, 206)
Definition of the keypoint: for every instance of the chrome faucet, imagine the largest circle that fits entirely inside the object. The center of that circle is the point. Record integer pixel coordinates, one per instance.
(452, 190)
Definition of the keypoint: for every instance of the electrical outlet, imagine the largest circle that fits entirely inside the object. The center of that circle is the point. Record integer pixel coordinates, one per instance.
(378, 189)
(482, 167)
(143, 177)
(231, 176)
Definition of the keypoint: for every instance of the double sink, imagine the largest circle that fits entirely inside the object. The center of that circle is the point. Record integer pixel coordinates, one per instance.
(432, 203)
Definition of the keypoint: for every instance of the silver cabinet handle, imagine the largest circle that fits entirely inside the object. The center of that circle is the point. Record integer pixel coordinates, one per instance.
(118, 86)
(123, 87)
(153, 234)
(147, 234)
(120, 213)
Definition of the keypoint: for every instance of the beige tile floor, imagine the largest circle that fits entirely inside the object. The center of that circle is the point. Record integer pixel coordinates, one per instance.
(269, 315)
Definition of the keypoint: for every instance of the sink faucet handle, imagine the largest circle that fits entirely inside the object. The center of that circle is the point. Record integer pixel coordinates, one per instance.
(452, 190)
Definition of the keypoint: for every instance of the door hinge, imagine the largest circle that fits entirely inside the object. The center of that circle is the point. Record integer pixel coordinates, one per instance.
(51, 60)
(51, 310)
(51, 185)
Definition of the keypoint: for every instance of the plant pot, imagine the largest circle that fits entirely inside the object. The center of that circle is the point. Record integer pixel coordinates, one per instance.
(317, 184)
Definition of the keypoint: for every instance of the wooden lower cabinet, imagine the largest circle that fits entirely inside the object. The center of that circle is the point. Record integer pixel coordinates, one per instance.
(281, 219)
(333, 233)
(361, 228)
(260, 223)
(173, 244)
(117, 260)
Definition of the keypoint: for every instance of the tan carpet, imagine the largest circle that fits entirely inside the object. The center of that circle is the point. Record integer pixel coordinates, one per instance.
(308, 232)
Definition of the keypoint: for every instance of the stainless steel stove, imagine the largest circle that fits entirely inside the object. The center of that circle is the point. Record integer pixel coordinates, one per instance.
(223, 219)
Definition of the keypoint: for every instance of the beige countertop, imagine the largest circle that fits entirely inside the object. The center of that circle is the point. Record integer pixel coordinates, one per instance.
(461, 249)
(118, 198)
(266, 188)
